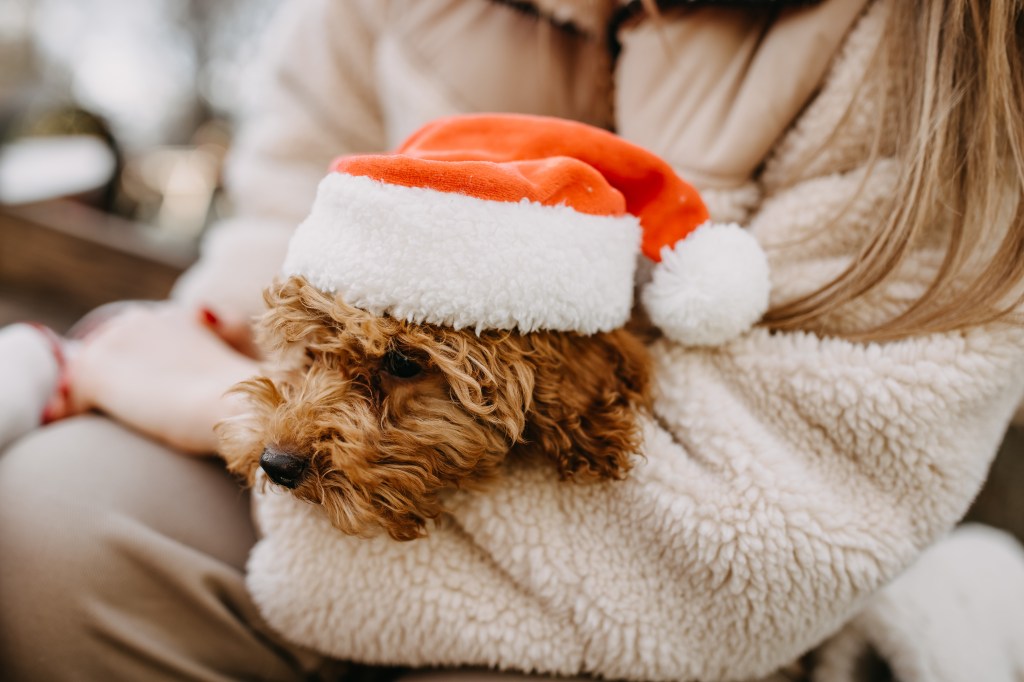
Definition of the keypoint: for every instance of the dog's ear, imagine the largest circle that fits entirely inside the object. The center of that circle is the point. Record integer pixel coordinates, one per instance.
(589, 393)
(297, 313)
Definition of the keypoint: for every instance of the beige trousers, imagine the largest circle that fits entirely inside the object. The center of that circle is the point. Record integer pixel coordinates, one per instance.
(122, 560)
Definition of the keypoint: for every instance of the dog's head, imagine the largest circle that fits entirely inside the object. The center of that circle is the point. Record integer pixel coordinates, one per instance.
(374, 418)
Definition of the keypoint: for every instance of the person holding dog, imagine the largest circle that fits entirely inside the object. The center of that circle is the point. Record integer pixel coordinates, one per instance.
(874, 148)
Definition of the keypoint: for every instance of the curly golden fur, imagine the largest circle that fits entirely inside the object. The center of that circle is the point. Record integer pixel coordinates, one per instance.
(387, 415)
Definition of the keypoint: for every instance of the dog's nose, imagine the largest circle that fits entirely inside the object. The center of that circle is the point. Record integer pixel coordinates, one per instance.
(283, 468)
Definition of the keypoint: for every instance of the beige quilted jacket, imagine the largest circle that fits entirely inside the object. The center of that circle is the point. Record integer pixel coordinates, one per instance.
(787, 477)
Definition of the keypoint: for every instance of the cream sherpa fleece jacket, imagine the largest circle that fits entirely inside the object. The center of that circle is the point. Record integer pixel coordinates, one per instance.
(786, 477)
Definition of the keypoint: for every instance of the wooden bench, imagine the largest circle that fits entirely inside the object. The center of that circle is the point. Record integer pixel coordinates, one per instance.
(60, 259)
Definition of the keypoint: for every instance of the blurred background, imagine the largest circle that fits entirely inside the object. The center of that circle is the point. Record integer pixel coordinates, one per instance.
(114, 120)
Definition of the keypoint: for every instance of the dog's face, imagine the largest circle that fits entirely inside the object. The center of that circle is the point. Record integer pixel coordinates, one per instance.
(374, 418)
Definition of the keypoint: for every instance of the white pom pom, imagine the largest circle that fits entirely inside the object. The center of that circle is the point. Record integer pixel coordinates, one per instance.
(711, 287)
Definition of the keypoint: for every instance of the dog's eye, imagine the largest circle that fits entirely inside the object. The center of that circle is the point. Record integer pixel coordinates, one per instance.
(400, 366)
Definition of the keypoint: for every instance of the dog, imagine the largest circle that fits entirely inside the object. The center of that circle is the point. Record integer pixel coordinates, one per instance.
(467, 299)
(375, 419)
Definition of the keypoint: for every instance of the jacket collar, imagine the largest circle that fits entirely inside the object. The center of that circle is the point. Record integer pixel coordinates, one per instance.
(593, 16)
(587, 16)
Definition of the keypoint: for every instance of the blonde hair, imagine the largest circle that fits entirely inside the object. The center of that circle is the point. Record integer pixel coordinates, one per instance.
(956, 68)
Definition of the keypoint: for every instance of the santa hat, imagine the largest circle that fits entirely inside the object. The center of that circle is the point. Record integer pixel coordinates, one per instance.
(527, 223)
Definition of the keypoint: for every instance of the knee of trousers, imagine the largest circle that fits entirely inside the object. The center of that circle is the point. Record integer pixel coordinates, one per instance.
(100, 530)
(56, 555)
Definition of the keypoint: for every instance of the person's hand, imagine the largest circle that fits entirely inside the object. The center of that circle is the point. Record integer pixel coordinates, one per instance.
(162, 369)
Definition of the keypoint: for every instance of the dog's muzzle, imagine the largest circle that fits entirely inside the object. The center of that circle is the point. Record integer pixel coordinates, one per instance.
(283, 468)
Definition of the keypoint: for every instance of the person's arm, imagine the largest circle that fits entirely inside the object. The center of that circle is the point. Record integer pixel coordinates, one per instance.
(162, 369)
(313, 99)
(159, 369)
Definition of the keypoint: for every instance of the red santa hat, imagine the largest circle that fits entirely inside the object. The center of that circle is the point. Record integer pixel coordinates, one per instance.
(527, 223)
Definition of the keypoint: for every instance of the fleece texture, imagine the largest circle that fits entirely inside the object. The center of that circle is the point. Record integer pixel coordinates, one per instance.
(787, 478)
(710, 288)
(29, 371)
(957, 615)
(460, 261)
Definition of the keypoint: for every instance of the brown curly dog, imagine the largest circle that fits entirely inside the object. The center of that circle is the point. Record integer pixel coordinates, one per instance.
(374, 419)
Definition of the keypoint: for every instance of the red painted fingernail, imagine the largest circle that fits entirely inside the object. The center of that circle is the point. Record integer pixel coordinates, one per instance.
(65, 388)
(47, 415)
(209, 317)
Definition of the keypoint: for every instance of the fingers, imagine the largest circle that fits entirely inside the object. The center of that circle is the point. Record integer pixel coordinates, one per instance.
(236, 332)
(131, 345)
